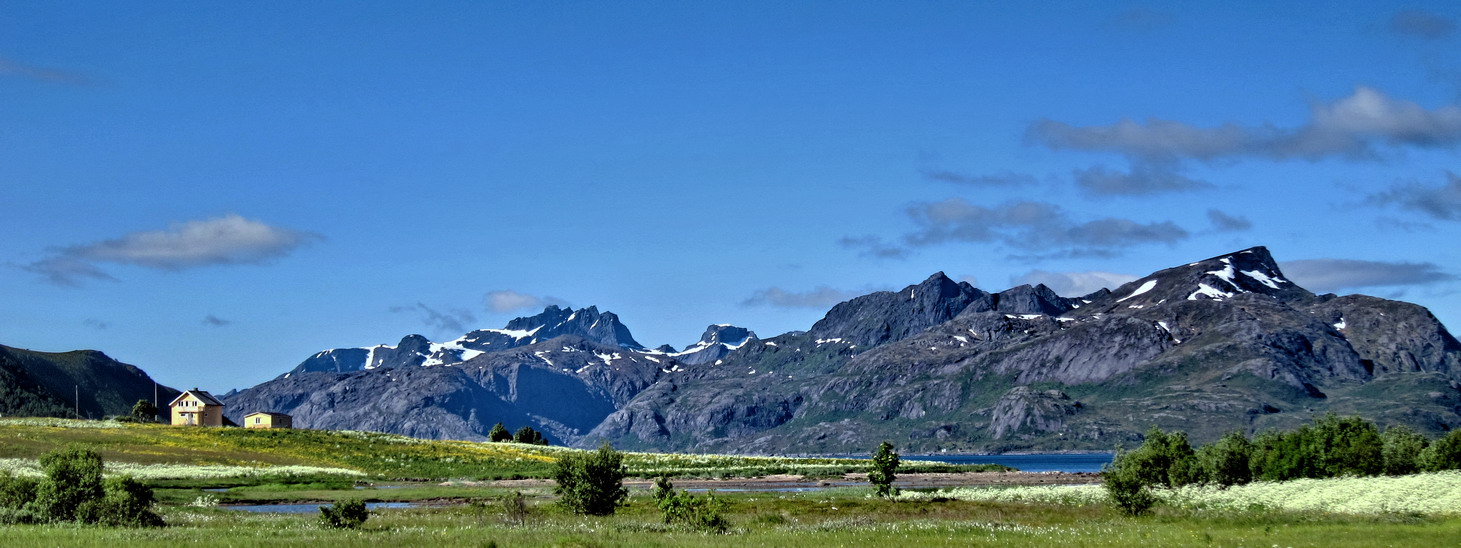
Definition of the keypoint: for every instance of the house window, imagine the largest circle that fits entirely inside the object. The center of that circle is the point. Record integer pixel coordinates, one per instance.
(258, 420)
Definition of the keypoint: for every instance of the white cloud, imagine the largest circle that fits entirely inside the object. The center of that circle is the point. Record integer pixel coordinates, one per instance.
(1332, 275)
(230, 239)
(1073, 284)
(820, 297)
(1441, 202)
(1351, 127)
(1038, 226)
(507, 300)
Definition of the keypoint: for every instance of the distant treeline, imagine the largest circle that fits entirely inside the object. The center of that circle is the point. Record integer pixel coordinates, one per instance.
(524, 435)
(1329, 447)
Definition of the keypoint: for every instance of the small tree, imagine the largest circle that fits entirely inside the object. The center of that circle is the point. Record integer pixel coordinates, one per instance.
(515, 508)
(1346, 446)
(499, 433)
(73, 486)
(698, 513)
(128, 503)
(1401, 450)
(1124, 482)
(591, 483)
(1225, 462)
(662, 488)
(345, 514)
(884, 470)
(1443, 454)
(526, 434)
(144, 411)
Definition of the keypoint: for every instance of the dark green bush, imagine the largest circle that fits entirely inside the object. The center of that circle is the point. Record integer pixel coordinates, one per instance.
(1163, 459)
(345, 514)
(144, 411)
(18, 516)
(698, 513)
(73, 487)
(16, 492)
(1401, 450)
(127, 503)
(1225, 462)
(1124, 480)
(527, 435)
(662, 488)
(1346, 446)
(884, 469)
(1443, 454)
(499, 433)
(591, 483)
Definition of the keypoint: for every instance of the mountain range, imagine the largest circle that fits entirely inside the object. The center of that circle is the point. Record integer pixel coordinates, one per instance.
(1226, 343)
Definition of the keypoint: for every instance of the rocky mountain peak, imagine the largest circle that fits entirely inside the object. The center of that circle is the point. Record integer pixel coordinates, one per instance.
(885, 316)
(1250, 271)
(718, 341)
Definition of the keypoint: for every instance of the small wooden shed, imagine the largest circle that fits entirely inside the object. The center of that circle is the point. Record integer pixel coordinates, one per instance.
(260, 419)
(196, 408)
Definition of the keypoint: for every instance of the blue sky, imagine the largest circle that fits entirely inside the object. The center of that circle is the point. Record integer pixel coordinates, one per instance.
(215, 191)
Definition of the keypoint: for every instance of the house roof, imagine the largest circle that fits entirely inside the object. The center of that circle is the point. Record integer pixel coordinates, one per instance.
(202, 396)
(275, 415)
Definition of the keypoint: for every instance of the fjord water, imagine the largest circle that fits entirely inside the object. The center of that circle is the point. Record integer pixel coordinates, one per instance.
(1034, 462)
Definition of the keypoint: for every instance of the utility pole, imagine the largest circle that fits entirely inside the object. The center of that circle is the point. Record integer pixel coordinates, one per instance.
(78, 400)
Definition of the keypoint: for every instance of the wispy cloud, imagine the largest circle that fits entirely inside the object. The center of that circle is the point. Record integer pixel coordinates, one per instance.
(455, 320)
(1032, 226)
(507, 300)
(1222, 222)
(96, 324)
(215, 321)
(1005, 179)
(1441, 202)
(65, 271)
(1351, 127)
(11, 67)
(230, 239)
(1142, 19)
(1073, 284)
(1331, 275)
(1144, 178)
(1422, 24)
(820, 297)
(873, 246)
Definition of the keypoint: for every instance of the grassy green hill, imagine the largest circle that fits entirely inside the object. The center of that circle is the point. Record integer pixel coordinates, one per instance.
(371, 454)
(56, 383)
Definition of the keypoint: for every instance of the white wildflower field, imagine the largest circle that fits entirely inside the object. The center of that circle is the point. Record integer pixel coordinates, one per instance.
(30, 468)
(1437, 493)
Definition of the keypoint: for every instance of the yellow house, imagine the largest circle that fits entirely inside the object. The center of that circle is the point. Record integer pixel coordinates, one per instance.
(261, 419)
(196, 408)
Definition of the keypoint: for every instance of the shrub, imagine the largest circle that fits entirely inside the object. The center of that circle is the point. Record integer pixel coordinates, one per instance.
(884, 469)
(347, 514)
(1401, 449)
(16, 492)
(73, 485)
(127, 503)
(591, 483)
(144, 411)
(1225, 462)
(1163, 459)
(1443, 454)
(1126, 485)
(698, 513)
(1345, 446)
(18, 516)
(662, 488)
(527, 435)
(515, 508)
(499, 433)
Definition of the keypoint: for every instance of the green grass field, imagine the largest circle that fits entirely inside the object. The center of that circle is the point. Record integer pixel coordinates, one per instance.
(312, 466)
